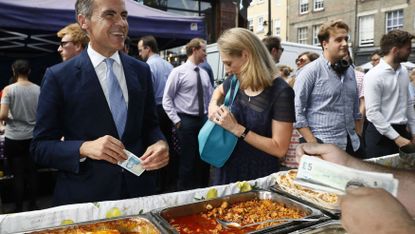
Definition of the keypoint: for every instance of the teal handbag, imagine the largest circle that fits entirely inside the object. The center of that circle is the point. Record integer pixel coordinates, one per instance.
(216, 144)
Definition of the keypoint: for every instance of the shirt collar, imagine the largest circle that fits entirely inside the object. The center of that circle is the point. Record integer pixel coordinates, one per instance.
(97, 58)
(191, 64)
(153, 56)
(383, 64)
(325, 61)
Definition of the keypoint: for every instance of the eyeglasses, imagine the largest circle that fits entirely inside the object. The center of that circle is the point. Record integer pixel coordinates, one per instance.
(64, 43)
(282, 49)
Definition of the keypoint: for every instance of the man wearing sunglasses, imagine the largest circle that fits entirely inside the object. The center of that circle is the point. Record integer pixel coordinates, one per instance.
(73, 41)
(273, 45)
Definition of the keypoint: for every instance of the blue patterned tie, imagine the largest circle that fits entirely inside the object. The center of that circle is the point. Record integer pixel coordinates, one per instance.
(116, 99)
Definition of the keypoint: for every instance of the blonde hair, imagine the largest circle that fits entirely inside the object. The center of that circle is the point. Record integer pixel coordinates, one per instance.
(78, 35)
(259, 71)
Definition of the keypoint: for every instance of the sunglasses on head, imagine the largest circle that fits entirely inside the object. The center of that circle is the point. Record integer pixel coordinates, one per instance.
(299, 60)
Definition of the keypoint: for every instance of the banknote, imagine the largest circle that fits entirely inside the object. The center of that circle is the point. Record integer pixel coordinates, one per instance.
(316, 173)
(132, 164)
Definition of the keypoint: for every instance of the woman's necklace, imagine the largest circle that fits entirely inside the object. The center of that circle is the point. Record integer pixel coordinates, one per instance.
(252, 94)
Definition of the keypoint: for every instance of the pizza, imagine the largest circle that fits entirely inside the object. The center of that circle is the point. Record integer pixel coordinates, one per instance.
(285, 180)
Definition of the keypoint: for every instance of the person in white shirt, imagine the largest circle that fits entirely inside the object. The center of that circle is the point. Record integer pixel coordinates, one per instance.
(388, 106)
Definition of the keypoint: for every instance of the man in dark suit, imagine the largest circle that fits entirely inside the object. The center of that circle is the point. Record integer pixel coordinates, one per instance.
(101, 102)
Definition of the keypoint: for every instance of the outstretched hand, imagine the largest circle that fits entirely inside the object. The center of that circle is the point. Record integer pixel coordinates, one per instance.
(327, 152)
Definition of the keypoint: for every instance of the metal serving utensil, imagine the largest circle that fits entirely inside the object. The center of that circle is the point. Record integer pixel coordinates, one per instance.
(228, 224)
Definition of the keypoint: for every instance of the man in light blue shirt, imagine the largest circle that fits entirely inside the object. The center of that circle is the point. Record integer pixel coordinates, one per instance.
(326, 98)
(160, 70)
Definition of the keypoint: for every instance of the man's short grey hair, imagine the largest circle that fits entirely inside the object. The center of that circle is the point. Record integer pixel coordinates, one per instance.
(84, 7)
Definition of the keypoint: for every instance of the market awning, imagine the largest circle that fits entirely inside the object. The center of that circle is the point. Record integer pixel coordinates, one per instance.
(32, 25)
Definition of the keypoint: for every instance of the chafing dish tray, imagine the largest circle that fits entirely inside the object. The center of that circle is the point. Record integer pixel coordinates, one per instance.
(326, 202)
(200, 217)
(329, 227)
(142, 224)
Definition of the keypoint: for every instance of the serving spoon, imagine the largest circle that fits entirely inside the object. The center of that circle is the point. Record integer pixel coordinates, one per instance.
(229, 224)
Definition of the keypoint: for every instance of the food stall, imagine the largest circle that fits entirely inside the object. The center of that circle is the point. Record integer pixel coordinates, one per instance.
(163, 212)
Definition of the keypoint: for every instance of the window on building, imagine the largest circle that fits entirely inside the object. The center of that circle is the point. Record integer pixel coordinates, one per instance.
(394, 20)
(303, 6)
(277, 27)
(366, 30)
(251, 24)
(260, 26)
(318, 5)
(302, 35)
(316, 29)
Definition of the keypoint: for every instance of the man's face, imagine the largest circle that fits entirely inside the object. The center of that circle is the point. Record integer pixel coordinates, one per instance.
(276, 54)
(302, 61)
(143, 51)
(375, 59)
(403, 53)
(200, 54)
(336, 47)
(107, 27)
(68, 48)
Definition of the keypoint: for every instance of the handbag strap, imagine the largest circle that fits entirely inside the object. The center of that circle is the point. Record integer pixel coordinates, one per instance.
(235, 88)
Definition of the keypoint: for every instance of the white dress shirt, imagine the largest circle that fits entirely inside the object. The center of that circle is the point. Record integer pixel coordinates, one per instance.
(387, 99)
(101, 68)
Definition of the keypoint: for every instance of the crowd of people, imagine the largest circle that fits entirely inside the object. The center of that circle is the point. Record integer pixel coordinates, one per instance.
(99, 102)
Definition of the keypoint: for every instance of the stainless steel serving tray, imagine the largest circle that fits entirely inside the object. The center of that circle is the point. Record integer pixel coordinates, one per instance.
(333, 213)
(162, 215)
(59, 229)
(329, 227)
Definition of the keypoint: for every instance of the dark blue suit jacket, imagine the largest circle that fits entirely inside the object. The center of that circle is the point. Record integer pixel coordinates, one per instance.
(72, 104)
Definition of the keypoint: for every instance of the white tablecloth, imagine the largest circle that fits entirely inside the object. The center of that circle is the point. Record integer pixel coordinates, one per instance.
(20, 222)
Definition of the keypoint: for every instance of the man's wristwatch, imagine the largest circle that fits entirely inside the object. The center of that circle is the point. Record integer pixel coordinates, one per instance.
(243, 135)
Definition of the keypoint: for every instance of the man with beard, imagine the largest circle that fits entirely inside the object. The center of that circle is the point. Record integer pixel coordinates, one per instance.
(388, 106)
(273, 45)
(326, 99)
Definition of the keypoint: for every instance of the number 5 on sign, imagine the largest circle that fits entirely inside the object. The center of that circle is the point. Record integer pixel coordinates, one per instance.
(308, 166)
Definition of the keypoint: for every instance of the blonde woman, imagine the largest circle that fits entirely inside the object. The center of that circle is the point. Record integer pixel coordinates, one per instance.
(262, 113)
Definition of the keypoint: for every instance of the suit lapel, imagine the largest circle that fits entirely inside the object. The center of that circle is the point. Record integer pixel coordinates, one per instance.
(131, 79)
(133, 87)
(93, 93)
